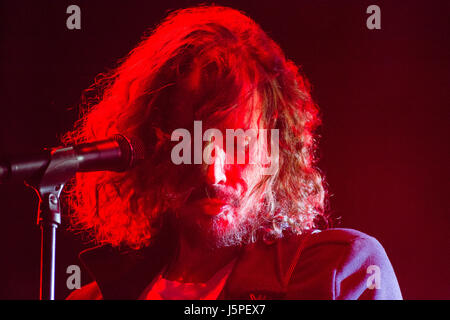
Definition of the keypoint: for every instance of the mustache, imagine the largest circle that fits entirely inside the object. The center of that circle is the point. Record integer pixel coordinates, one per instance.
(207, 191)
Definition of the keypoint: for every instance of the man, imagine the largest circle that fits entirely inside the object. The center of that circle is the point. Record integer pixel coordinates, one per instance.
(227, 203)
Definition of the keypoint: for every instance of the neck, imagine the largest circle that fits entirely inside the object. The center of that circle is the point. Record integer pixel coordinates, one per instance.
(194, 262)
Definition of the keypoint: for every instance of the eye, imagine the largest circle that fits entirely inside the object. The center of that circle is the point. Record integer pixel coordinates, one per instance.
(244, 147)
(246, 142)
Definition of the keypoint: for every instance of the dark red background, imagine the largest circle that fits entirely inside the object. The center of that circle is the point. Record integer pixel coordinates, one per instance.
(383, 95)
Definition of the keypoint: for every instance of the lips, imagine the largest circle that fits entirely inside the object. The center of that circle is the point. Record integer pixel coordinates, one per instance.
(205, 192)
(210, 199)
(210, 206)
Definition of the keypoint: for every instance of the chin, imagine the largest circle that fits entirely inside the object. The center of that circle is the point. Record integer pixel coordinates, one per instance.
(214, 226)
(227, 230)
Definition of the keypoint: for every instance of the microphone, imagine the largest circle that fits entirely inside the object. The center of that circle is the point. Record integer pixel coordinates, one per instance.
(118, 153)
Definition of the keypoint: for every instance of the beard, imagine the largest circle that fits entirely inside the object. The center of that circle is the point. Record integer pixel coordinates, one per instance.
(229, 224)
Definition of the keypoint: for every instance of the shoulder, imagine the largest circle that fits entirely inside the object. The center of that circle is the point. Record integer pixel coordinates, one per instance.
(90, 291)
(335, 244)
(351, 246)
(339, 236)
(345, 264)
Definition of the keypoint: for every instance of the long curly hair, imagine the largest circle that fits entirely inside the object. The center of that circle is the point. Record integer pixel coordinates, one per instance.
(213, 59)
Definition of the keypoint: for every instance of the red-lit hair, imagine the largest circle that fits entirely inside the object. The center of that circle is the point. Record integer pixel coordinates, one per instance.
(214, 59)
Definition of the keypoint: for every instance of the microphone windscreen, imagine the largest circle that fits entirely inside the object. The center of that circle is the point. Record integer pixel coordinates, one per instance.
(132, 149)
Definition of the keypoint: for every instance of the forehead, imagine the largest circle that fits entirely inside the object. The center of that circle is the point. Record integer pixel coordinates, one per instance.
(245, 114)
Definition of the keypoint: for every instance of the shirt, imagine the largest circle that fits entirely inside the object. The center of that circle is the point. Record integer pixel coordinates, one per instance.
(163, 289)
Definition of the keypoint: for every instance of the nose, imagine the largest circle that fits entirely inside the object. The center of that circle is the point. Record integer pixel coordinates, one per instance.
(215, 172)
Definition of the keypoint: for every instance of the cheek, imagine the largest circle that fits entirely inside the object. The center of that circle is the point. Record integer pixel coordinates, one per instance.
(252, 175)
(243, 177)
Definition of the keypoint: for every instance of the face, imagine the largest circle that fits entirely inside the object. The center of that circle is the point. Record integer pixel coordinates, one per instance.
(220, 207)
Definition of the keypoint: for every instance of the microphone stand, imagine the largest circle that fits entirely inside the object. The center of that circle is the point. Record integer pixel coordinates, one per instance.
(62, 165)
(48, 173)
